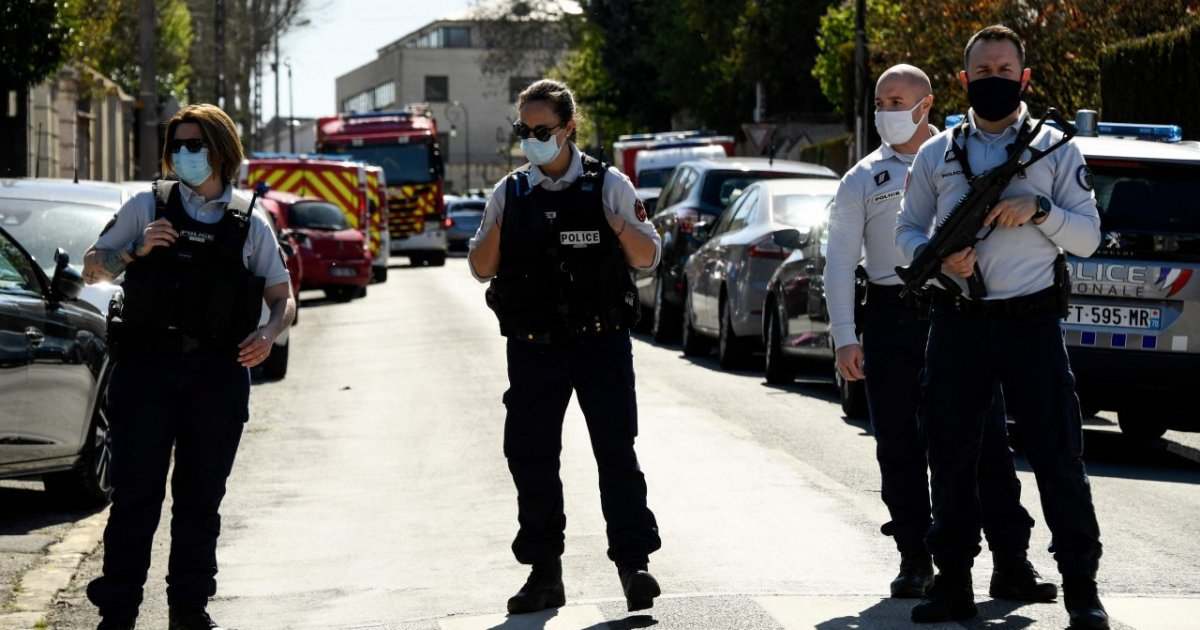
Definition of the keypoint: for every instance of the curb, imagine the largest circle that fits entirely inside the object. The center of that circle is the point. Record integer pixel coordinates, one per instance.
(39, 586)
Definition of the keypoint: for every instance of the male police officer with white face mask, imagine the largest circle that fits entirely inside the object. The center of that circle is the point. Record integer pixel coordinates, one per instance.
(1012, 337)
(891, 355)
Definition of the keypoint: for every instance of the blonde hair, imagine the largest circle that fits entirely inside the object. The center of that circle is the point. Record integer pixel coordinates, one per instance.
(220, 136)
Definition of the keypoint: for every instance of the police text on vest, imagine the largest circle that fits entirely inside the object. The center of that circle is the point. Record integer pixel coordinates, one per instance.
(583, 238)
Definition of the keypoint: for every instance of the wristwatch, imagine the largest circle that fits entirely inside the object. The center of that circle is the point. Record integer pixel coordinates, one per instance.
(1043, 210)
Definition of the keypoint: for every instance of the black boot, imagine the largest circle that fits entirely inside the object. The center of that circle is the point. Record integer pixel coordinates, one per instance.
(1083, 604)
(544, 589)
(916, 576)
(191, 619)
(114, 623)
(949, 599)
(640, 587)
(1015, 578)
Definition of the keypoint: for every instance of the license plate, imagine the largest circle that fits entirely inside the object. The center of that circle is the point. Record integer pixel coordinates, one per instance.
(1115, 316)
(343, 271)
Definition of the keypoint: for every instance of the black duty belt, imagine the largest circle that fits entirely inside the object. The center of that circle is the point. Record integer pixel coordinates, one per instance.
(888, 297)
(1044, 302)
(168, 342)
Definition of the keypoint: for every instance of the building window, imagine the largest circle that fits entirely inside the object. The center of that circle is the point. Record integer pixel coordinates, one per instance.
(456, 37)
(516, 85)
(361, 102)
(437, 89)
(384, 95)
(445, 37)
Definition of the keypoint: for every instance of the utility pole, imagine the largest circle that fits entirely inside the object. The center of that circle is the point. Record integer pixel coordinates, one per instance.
(861, 103)
(219, 53)
(291, 111)
(148, 134)
(275, 71)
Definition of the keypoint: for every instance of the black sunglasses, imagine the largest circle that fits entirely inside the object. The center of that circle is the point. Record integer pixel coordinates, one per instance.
(523, 131)
(194, 145)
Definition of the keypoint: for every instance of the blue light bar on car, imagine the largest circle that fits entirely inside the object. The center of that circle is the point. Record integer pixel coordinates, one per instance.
(276, 155)
(1160, 133)
(953, 120)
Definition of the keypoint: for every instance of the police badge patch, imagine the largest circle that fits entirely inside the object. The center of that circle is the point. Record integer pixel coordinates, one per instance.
(1083, 175)
(882, 177)
(640, 210)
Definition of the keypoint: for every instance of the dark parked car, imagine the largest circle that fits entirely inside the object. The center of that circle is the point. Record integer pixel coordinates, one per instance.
(53, 371)
(463, 216)
(795, 321)
(698, 191)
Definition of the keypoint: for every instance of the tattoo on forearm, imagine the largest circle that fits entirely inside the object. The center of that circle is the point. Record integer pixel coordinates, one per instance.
(113, 262)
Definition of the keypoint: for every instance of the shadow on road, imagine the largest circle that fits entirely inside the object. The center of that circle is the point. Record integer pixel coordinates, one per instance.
(1108, 453)
(28, 508)
(894, 613)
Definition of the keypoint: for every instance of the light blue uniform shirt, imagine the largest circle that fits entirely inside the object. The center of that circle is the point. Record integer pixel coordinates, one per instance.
(862, 226)
(1014, 261)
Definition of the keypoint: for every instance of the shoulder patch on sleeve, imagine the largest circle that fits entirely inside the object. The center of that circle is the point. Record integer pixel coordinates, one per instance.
(1083, 175)
(639, 209)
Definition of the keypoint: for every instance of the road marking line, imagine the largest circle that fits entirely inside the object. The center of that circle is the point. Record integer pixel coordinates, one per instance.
(566, 618)
(1160, 613)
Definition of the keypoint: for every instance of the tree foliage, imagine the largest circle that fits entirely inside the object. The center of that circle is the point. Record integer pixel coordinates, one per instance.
(35, 37)
(107, 40)
(524, 36)
(1154, 79)
(1063, 38)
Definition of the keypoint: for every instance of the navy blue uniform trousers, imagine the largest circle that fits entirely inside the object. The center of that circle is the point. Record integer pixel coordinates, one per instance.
(195, 404)
(599, 369)
(966, 357)
(894, 338)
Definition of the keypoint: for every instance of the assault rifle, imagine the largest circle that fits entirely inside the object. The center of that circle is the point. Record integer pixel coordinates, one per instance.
(961, 227)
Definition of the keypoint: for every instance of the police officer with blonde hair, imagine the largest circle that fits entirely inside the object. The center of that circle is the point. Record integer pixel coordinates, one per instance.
(891, 354)
(198, 264)
(558, 239)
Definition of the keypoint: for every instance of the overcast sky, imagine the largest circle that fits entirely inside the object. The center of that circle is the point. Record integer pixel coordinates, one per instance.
(344, 34)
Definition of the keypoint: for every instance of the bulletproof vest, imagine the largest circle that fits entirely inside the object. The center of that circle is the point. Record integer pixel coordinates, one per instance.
(198, 286)
(562, 272)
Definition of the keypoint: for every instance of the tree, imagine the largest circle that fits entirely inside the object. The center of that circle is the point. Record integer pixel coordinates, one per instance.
(1063, 41)
(108, 42)
(524, 36)
(35, 36)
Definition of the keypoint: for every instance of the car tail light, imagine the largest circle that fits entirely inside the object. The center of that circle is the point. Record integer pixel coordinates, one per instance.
(687, 219)
(448, 223)
(766, 248)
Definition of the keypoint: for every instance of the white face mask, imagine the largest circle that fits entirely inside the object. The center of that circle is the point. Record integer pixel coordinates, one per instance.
(540, 153)
(896, 127)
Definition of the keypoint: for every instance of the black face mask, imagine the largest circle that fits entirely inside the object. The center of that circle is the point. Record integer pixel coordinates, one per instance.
(994, 98)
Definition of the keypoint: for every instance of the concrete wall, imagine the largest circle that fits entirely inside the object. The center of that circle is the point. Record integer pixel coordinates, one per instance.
(79, 119)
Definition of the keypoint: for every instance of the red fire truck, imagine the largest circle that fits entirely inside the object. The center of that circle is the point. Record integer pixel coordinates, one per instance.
(405, 144)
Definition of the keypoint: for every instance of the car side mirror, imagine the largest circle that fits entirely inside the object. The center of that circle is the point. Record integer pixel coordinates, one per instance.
(67, 282)
(791, 239)
(702, 230)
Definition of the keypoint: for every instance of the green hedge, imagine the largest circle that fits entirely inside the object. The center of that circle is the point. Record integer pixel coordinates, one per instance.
(1154, 79)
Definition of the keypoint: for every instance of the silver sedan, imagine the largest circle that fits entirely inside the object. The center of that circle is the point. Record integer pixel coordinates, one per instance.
(727, 277)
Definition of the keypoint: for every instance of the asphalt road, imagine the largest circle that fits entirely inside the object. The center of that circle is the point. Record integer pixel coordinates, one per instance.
(371, 492)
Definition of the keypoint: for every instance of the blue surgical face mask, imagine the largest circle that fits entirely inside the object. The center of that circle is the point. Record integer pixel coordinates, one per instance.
(539, 152)
(192, 168)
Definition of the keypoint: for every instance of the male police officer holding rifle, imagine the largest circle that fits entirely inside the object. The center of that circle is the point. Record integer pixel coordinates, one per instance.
(1011, 335)
(892, 354)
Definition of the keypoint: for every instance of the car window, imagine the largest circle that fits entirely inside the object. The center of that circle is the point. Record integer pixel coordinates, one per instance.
(683, 186)
(43, 227)
(800, 211)
(1148, 210)
(668, 189)
(16, 272)
(726, 217)
(720, 186)
(317, 215)
(741, 217)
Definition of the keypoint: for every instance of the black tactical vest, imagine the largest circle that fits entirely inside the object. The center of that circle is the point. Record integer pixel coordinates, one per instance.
(198, 287)
(562, 272)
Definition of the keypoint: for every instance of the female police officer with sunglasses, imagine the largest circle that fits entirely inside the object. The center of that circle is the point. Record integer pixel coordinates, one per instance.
(198, 265)
(557, 241)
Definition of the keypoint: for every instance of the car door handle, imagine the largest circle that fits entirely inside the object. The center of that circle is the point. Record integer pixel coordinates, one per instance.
(35, 336)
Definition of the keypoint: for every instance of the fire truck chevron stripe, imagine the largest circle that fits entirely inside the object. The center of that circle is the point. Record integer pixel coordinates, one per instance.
(348, 200)
(292, 183)
(273, 178)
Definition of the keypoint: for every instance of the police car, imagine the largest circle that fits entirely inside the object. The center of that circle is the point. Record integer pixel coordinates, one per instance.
(1133, 327)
